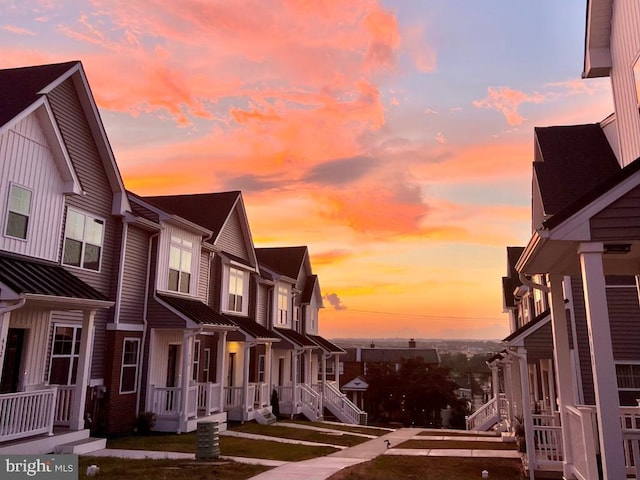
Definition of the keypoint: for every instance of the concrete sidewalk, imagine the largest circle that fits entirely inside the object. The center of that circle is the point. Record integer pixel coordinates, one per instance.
(323, 467)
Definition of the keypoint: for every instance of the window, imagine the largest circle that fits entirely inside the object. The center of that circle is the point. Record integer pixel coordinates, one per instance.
(196, 360)
(83, 238)
(261, 364)
(236, 289)
(65, 352)
(180, 255)
(129, 371)
(283, 304)
(18, 212)
(628, 376)
(207, 362)
(296, 319)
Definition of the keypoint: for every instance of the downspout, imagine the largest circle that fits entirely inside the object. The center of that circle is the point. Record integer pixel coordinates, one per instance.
(144, 319)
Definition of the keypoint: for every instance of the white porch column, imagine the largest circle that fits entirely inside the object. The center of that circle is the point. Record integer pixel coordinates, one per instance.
(336, 369)
(4, 333)
(221, 365)
(562, 359)
(526, 409)
(508, 387)
(516, 387)
(82, 375)
(604, 372)
(294, 382)
(495, 380)
(267, 367)
(187, 349)
(246, 401)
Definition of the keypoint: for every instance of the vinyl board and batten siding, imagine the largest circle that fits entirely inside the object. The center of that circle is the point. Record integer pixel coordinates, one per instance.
(36, 322)
(163, 255)
(625, 47)
(231, 239)
(97, 200)
(584, 352)
(134, 276)
(619, 221)
(158, 361)
(27, 161)
(262, 304)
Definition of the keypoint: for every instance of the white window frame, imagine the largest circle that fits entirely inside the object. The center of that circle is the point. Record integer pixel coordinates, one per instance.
(282, 305)
(236, 276)
(296, 319)
(10, 211)
(135, 365)
(262, 359)
(635, 376)
(196, 361)
(226, 290)
(205, 366)
(74, 358)
(83, 242)
(185, 252)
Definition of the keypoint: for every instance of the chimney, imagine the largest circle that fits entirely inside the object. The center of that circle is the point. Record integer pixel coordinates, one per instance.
(373, 345)
(412, 343)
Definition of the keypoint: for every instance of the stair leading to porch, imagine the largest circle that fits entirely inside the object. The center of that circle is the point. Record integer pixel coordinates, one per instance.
(265, 417)
(82, 446)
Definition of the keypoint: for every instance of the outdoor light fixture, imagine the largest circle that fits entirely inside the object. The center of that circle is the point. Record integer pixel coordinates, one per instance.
(617, 248)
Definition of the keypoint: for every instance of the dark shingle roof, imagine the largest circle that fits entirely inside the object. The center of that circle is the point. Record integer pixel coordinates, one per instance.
(307, 293)
(326, 344)
(19, 87)
(196, 310)
(576, 160)
(295, 338)
(209, 210)
(512, 281)
(283, 260)
(25, 276)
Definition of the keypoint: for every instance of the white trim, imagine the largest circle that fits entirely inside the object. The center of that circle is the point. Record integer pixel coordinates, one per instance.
(125, 327)
(86, 216)
(8, 210)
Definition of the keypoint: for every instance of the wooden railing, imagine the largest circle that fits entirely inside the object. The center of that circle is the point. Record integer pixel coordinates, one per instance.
(343, 408)
(630, 422)
(582, 431)
(64, 401)
(166, 400)
(209, 397)
(27, 413)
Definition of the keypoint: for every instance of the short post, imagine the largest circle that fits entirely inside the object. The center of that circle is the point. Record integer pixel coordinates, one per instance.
(208, 441)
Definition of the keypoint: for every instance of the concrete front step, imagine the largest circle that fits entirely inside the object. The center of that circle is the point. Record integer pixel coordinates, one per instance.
(83, 446)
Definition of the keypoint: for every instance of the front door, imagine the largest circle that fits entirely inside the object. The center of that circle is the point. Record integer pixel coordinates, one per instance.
(12, 359)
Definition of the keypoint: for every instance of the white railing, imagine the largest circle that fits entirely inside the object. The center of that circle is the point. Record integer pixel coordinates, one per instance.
(312, 401)
(261, 395)
(630, 421)
(27, 413)
(209, 397)
(582, 430)
(485, 416)
(64, 402)
(249, 401)
(343, 408)
(166, 400)
(544, 420)
(232, 397)
(192, 401)
(547, 444)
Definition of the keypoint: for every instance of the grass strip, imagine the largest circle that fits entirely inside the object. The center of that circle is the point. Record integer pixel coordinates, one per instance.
(345, 440)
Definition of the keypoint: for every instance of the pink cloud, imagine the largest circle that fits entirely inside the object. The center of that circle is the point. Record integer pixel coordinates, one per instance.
(506, 101)
(18, 30)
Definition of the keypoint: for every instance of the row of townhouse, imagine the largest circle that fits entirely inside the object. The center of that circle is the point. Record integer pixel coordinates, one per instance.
(116, 307)
(568, 379)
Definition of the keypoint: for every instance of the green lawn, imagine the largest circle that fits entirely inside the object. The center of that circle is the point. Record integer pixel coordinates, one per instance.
(230, 446)
(345, 439)
(119, 469)
(432, 468)
(459, 444)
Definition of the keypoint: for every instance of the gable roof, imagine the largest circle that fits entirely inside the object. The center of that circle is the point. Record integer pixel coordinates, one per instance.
(286, 261)
(209, 210)
(23, 88)
(574, 161)
(512, 280)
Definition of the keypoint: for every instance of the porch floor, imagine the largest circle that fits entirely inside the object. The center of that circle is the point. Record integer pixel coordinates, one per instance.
(43, 443)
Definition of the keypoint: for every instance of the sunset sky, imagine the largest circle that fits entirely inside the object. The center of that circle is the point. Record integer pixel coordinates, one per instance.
(394, 138)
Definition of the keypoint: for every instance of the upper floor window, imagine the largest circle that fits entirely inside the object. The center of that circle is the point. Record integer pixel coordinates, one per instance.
(83, 237)
(18, 213)
(283, 304)
(236, 290)
(180, 255)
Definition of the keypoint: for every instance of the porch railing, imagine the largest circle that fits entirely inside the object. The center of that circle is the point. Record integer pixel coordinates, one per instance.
(582, 429)
(261, 394)
(64, 402)
(285, 394)
(251, 395)
(192, 401)
(343, 408)
(232, 397)
(487, 415)
(166, 400)
(630, 421)
(311, 400)
(27, 413)
(209, 397)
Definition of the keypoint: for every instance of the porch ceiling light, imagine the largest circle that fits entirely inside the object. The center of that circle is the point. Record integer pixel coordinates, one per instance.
(617, 248)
